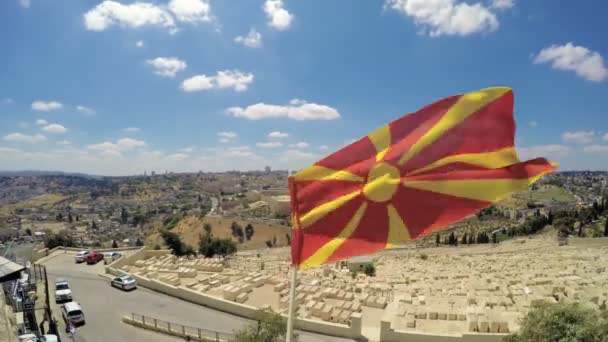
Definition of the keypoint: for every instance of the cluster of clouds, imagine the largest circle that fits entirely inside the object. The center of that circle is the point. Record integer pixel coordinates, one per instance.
(569, 57)
(139, 14)
(297, 109)
(169, 15)
(451, 17)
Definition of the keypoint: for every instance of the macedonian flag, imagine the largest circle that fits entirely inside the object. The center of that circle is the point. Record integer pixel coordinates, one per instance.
(409, 178)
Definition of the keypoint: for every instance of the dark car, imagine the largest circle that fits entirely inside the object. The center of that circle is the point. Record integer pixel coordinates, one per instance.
(94, 257)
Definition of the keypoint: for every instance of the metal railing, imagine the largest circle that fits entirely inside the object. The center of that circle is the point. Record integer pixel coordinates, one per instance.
(172, 328)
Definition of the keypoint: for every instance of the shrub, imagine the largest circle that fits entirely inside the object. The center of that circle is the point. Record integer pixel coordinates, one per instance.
(369, 270)
(268, 327)
(424, 256)
(561, 322)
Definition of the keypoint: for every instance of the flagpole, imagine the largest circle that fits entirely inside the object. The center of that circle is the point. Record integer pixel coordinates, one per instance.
(292, 303)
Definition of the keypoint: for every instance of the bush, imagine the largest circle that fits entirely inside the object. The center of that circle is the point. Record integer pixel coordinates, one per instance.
(561, 322)
(269, 327)
(210, 246)
(62, 238)
(424, 256)
(174, 242)
(369, 270)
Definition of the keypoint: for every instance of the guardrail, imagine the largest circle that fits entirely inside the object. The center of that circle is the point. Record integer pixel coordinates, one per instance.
(176, 329)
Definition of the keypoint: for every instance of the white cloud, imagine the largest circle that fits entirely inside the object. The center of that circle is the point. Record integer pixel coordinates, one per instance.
(191, 11)
(64, 142)
(187, 149)
(227, 135)
(85, 110)
(8, 150)
(278, 17)
(605, 137)
(323, 148)
(225, 79)
(107, 148)
(167, 66)
(277, 135)
(301, 111)
(270, 144)
(43, 106)
(19, 137)
(178, 156)
(128, 143)
(55, 129)
(25, 3)
(547, 151)
(24, 124)
(131, 129)
(139, 43)
(137, 14)
(447, 17)
(533, 123)
(252, 40)
(584, 62)
(502, 4)
(596, 149)
(579, 137)
(42, 122)
(297, 154)
(301, 144)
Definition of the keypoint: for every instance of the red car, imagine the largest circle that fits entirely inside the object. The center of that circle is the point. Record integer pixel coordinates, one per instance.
(94, 257)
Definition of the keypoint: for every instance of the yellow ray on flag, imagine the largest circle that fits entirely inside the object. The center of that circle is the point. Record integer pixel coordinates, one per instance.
(321, 173)
(466, 105)
(397, 231)
(490, 160)
(486, 190)
(381, 139)
(328, 249)
(319, 212)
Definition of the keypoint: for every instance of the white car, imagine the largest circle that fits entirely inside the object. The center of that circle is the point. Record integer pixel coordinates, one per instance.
(63, 293)
(81, 256)
(34, 338)
(73, 313)
(110, 257)
(124, 282)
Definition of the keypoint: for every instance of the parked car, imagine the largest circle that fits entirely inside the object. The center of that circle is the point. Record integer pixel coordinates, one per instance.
(109, 257)
(63, 293)
(81, 256)
(94, 257)
(72, 312)
(124, 282)
(41, 338)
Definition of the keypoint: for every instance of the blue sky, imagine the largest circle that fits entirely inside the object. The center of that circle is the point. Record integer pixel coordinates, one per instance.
(117, 87)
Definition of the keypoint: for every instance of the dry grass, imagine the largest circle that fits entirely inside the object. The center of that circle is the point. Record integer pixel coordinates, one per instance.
(191, 228)
(45, 201)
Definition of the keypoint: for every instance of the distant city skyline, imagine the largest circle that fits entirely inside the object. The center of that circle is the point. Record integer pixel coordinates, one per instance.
(116, 87)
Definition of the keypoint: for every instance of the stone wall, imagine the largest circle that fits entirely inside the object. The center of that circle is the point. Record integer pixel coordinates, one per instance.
(387, 334)
(238, 309)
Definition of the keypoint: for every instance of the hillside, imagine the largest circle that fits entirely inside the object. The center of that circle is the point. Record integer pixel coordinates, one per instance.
(190, 229)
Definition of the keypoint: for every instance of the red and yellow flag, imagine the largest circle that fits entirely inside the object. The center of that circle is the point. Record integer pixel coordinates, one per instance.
(409, 178)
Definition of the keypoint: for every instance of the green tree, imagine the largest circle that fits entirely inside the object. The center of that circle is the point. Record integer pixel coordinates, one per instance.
(28, 231)
(437, 239)
(114, 244)
(561, 322)
(124, 215)
(207, 227)
(268, 326)
(62, 238)
(606, 227)
(139, 243)
(249, 231)
(70, 218)
(369, 270)
(174, 242)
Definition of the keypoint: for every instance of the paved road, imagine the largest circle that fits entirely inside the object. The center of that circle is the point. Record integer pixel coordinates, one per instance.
(104, 306)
